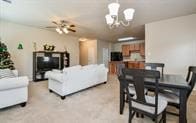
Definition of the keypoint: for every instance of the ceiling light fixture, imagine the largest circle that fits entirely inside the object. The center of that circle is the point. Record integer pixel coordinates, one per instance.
(126, 39)
(112, 18)
(59, 30)
(65, 30)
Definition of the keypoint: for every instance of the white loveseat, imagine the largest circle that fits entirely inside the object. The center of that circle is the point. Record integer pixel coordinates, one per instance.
(76, 78)
(13, 90)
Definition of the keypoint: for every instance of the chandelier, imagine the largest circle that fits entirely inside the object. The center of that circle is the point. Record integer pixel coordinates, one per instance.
(112, 18)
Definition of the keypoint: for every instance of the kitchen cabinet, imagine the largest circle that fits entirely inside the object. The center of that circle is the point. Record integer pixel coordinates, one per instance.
(126, 50)
(142, 49)
(133, 64)
(137, 47)
(128, 64)
(113, 66)
(142, 65)
(136, 64)
(132, 48)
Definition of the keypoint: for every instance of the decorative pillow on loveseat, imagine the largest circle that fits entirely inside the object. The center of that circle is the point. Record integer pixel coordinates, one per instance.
(6, 73)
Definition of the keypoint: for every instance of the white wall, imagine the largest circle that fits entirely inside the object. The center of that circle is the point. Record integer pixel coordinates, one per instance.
(13, 34)
(172, 42)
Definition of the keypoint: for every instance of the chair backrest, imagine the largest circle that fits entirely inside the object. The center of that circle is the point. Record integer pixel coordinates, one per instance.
(137, 77)
(154, 66)
(191, 78)
(120, 66)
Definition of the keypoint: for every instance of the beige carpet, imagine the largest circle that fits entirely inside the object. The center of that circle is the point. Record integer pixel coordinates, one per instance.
(95, 105)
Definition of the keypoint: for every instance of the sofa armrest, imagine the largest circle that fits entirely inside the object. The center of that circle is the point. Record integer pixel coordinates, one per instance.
(12, 83)
(57, 70)
(15, 72)
(60, 77)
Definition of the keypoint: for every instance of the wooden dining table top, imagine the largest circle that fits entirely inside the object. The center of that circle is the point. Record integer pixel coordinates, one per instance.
(171, 81)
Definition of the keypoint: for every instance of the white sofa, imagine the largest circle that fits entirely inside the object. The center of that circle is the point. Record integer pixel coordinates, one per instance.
(13, 91)
(76, 78)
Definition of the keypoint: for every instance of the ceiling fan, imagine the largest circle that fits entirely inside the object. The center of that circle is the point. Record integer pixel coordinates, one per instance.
(8, 1)
(63, 26)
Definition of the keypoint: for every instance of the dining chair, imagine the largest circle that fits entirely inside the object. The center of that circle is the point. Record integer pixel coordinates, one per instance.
(151, 106)
(121, 66)
(155, 66)
(132, 92)
(173, 97)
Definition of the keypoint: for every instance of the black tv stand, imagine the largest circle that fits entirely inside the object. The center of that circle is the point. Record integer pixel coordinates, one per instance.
(39, 73)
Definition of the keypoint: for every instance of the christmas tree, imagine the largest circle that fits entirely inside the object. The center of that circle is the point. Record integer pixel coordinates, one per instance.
(5, 61)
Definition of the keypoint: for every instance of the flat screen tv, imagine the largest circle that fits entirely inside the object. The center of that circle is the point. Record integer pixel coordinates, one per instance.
(47, 63)
(116, 56)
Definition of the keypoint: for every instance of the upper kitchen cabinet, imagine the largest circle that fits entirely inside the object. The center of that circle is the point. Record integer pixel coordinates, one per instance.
(126, 50)
(142, 49)
(134, 47)
(137, 47)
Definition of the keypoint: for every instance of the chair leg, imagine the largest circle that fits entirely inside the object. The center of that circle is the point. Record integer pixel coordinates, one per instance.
(50, 91)
(130, 118)
(131, 115)
(137, 115)
(23, 104)
(164, 116)
(156, 120)
(63, 97)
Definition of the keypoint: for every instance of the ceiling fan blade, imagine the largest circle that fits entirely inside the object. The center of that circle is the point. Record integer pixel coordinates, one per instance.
(8, 1)
(54, 22)
(51, 27)
(64, 21)
(72, 30)
(72, 25)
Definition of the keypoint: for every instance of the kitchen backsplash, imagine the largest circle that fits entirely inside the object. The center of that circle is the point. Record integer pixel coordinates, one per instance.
(134, 57)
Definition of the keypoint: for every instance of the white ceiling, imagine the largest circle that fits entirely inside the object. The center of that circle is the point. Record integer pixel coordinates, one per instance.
(89, 15)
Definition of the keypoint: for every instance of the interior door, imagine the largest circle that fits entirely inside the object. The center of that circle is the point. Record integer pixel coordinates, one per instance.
(91, 57)
(105, 56)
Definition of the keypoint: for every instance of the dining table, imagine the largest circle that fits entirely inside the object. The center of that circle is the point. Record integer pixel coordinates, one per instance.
(170, 82)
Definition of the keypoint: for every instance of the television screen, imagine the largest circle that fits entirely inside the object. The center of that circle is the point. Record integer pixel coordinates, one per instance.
(47, 63)
(116, 56)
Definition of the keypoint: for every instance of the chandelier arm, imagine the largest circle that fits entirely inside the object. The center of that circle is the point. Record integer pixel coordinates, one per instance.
(125, 24)
(115, 21)
(111, 26)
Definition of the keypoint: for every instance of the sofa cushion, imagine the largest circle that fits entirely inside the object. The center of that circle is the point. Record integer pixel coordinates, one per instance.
(6, 73)
(57, 71)
(11, 83)
(71, 68)
(91, 66)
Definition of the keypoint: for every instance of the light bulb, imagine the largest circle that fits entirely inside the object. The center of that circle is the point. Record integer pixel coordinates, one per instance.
(65, 30)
